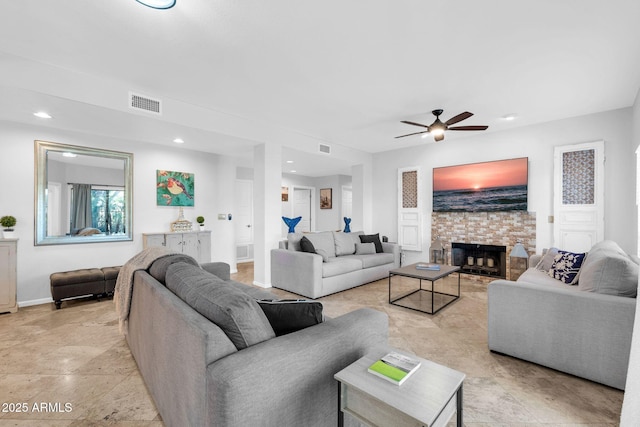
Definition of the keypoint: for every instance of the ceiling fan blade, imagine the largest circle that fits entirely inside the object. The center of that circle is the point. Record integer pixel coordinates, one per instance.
(460, 117)
(416, 133)
(439, 138)
(414, 123)
(469, 128)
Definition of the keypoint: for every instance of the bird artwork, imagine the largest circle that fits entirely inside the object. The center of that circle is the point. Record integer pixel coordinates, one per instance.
(175, 188)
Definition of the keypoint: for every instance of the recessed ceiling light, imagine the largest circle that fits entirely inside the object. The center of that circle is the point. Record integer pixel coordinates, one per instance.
(158, 4)
(42, 115)
(509, 117)
(294, 171)
(178, 141)
(289, 161)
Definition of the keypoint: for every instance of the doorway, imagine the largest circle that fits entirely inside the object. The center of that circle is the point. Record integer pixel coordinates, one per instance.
(302, 204)
(244, 220)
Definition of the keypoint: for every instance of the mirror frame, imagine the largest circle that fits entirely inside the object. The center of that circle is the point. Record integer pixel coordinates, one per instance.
(40, 220)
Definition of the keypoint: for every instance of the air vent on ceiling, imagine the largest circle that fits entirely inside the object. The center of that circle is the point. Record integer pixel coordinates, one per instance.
(141, 102)
(324, 148)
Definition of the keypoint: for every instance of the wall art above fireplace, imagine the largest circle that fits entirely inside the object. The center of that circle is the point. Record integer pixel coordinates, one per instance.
(500, 185)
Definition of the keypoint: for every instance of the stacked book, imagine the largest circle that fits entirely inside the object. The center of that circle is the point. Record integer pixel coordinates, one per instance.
(425, 266)
(395, 367)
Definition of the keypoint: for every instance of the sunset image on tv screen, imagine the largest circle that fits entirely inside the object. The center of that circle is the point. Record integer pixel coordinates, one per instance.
(481, 187)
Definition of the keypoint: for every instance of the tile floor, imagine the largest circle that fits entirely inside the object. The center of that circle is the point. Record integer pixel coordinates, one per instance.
(75, 357)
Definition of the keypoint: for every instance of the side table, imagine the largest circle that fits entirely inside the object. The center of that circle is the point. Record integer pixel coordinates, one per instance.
(428, 398)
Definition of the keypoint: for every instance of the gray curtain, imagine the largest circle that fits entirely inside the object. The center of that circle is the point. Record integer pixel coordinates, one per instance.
(81, 207)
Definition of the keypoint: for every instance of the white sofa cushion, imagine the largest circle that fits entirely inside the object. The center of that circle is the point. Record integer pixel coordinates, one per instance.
(340, 265)
(344, 243)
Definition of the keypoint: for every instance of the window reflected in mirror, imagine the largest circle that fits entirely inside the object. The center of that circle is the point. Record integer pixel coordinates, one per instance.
(82, 194)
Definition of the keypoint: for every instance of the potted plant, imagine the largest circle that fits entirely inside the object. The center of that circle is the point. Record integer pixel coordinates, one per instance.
(200, 220)
(8, 222)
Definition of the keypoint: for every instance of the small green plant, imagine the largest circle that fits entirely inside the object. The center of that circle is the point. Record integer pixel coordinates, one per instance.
(8, 222)
(200, 220)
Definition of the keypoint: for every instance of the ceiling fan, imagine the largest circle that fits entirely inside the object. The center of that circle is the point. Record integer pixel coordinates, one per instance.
(437, 128)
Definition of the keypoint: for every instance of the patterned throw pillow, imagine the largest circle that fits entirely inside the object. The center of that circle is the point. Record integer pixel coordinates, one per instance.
(566, 266)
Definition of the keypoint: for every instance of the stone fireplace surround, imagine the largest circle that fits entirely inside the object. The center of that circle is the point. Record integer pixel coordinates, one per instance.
(485, 228)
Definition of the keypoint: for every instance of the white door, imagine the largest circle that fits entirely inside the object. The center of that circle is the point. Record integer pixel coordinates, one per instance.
(578, 196)
(302, 207)
(244, 219)
(409, 209)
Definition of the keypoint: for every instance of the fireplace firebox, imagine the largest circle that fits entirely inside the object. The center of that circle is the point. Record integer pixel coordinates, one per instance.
(481, 260)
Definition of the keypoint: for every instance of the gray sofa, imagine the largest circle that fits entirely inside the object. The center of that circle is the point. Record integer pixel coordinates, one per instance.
(197, 376)
(582, 329)
(338, 264)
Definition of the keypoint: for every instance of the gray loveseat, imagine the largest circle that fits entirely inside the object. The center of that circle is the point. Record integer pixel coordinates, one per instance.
(341, 262)
(583, 329)
(195, 372)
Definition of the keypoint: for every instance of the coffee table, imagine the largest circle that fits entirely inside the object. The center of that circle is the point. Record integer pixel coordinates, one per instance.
(423, 299)
(428, 398)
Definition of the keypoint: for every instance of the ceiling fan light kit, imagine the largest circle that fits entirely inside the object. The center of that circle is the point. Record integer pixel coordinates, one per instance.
(158, 4)
(438, 128)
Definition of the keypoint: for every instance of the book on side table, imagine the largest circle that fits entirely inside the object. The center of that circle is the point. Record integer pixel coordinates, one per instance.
(430, 266)
(395, 367)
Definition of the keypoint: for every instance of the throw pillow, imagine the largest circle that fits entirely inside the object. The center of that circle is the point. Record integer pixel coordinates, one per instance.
(547, 260)
(235, 312)
(286, 316)
(307, 246)
(372, 238)
(566, 266)
(365, 248)
(291, 223)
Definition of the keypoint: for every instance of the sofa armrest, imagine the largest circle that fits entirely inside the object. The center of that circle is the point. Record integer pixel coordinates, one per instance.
(298, 369)
(394, 249)
(297, 272)
(581, 333)
(220, 269)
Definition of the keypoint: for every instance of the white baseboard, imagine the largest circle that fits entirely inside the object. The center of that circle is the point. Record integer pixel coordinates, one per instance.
(262, 285)
(35, 302)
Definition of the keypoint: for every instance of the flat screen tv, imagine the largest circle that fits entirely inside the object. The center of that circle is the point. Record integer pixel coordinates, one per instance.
(499, 185)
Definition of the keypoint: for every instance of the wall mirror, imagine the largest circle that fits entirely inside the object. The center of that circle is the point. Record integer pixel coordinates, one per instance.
(82, 194)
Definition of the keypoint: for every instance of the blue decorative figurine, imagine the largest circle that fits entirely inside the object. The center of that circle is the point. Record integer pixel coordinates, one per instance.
(347, 227)
(291, 223)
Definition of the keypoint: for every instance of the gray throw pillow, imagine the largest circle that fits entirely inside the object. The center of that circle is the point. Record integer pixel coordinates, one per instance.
(547, 260)
(365, 248)
(372, 238)
(236, 313)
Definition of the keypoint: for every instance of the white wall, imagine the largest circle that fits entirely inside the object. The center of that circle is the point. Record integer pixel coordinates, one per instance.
(631, 404)
(36, 263)
(535, 142)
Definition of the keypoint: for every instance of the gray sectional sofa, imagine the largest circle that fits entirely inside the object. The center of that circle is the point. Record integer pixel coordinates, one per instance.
(198, 376)
(582, 329)
(340, 261)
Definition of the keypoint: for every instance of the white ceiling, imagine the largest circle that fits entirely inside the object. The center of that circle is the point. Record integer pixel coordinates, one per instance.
(336, 72)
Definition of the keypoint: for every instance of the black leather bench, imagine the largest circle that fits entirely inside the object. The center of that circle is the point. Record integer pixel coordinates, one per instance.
(90, 281)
